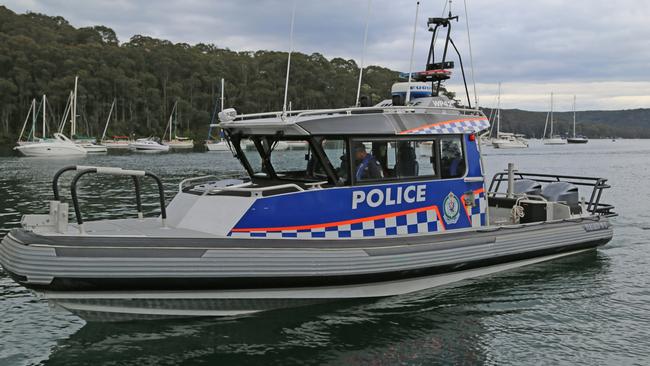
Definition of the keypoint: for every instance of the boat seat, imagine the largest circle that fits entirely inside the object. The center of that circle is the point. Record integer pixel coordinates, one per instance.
(407, 164)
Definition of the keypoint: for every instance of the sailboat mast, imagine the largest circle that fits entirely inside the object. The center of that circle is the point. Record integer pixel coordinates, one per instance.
(44, 101)
(551, 115)
(73, 126)
(499, 111)
(574, 116)
(34, 119)
(108, 119)
(222, 93)
(22, 131)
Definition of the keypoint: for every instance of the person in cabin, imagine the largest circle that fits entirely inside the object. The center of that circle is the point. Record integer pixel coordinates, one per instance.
(366, 166)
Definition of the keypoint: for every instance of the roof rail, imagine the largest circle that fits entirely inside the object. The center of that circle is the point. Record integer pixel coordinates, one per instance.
(297, 114)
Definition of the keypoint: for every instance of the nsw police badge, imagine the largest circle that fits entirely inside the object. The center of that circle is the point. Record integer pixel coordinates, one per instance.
(451, 208)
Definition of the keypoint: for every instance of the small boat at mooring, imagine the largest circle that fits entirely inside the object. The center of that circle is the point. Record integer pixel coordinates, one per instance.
(390, 199)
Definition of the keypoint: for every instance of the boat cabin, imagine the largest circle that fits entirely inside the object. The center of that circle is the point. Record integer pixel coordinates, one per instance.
(367, 172)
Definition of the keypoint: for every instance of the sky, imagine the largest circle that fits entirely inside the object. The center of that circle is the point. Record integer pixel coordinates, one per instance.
(595, 49)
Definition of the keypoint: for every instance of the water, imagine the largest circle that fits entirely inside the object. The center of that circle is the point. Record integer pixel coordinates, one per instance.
(589, 309)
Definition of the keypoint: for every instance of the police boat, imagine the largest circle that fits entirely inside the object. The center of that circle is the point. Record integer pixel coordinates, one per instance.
(386, 200)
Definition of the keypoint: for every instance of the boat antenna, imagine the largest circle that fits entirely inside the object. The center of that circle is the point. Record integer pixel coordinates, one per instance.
(363, 53)
(286, 82)
(471, 56)
(415, 27)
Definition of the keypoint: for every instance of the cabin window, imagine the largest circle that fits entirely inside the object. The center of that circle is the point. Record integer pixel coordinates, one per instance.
(254, 159)
(336, 153)
(452, 159)
(408, 159)
(394, 159)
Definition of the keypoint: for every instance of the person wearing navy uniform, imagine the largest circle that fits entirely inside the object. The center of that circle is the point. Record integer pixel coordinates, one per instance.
(366, 166)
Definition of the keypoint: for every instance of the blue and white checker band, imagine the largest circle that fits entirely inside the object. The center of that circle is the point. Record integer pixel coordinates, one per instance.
(418, 222)
(464, 125)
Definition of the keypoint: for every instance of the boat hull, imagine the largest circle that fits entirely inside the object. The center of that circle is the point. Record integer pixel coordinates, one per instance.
(117, 145)
(50, 150)
(217, 146)
(149, 147)
(510, 145)
(94, 148)
(125, 277)
(130, 305)
(577, 141)
(555, 141)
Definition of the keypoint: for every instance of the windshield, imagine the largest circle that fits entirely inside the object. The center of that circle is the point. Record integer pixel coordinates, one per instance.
(296, 160)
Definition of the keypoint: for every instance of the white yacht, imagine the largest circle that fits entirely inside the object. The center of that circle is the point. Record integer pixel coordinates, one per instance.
(148, 144)
(116, 142)
(576, 139)
(59, 146)
(552, 139)
(506, 140)
(177, 142)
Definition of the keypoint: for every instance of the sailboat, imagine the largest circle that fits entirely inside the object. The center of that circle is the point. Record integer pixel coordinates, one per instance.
(31, 112)
(580, 139)
(60, 145)
(117, 142)
(87, 143)
(210, 143)
(177, 142)
(506, 140)
(553, 139)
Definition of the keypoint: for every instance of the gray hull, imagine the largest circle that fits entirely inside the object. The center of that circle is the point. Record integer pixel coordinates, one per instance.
(127, 277)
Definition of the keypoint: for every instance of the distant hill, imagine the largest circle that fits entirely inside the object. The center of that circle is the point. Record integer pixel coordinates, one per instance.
(41, 54)
(632, 123)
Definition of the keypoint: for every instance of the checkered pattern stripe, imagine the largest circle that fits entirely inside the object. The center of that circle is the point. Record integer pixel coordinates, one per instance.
(425, 221)
(467, 125)
(476, 213)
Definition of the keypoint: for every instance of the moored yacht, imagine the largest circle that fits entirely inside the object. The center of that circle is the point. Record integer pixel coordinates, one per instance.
(176, 142)
(362, 216)
(552, 139)
(148, 144)
(576, 139)
(59, 146)
(506, 140)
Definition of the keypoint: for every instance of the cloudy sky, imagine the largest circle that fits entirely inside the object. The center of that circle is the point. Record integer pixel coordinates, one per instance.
(598, 50)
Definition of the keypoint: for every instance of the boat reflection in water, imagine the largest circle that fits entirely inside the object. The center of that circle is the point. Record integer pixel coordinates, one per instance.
(455, 325)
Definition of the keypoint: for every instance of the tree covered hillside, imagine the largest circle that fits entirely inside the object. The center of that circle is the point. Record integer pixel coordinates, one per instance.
(41, 54)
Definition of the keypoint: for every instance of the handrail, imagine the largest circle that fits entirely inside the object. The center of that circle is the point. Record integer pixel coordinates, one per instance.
(385, 109)
(254, 190)
(187, 180)
(134, 174)
(594, 205)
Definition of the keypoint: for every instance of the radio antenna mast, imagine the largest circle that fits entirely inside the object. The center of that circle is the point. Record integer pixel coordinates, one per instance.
(363, 53)
(415, 27)
(286, 83)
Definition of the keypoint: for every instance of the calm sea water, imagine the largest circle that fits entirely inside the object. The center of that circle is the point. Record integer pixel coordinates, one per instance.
(588, 309)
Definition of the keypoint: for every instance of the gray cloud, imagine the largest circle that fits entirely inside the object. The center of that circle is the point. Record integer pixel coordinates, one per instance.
(530, 46)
